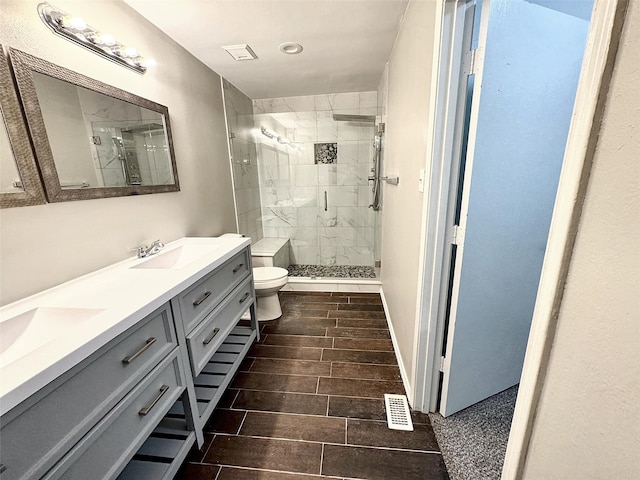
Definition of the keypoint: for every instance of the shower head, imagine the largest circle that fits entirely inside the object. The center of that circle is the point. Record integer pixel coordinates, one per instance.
(344, 117)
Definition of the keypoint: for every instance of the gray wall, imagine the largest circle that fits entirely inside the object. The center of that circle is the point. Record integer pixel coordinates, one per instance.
(406, 152)
(43, 246)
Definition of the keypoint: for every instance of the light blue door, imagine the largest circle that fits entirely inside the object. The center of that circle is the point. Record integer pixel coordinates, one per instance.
(530, 54)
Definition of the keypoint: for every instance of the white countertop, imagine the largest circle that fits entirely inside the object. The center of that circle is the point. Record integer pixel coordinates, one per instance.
(121, 297)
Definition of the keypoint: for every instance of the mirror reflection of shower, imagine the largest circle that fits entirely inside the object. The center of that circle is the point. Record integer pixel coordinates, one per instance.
(131, 153)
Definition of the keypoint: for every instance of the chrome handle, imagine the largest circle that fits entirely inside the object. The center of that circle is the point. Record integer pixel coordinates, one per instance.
(145, 411)
(202, 299)
(207, 340)
(145, 347)
(325, 200)
(237, 269)
(3, 467)
(246, 295)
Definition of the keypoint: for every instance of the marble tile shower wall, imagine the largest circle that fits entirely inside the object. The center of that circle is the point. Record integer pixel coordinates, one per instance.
(153, 146)
(321, 208)
(244, 161)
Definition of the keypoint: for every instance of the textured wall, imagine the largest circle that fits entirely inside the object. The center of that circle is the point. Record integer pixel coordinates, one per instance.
(587, 424)
(406, 151)
(45, 245)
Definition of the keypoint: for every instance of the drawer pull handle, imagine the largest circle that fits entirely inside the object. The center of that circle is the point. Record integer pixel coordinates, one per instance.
(207, 340)
(202, 299)
(145, 411)
(237, 269)
(3, 467)
(145, 347)
(246, 295)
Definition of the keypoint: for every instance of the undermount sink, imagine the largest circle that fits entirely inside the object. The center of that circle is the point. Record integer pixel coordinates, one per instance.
(178, 257)
(30, 330)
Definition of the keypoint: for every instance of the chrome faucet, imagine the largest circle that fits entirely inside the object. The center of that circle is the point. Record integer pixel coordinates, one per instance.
(152, 249)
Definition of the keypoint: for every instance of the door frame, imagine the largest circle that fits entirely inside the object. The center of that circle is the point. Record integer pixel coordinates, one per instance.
(437, 233)
(595, 75)
(458, 238)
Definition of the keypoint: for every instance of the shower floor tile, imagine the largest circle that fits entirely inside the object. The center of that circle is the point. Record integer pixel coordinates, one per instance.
(308, 402)
(331, 271)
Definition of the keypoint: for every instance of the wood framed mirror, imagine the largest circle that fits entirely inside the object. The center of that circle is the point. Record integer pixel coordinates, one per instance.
(92, 140)
(20, 183)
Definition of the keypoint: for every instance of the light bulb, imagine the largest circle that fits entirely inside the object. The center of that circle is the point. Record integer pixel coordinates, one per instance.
(130, 52)
(76, 23)
(149, 62)
(107, 39)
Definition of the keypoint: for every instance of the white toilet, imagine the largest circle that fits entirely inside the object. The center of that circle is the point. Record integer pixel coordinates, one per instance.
(267, 282)
(267, 278)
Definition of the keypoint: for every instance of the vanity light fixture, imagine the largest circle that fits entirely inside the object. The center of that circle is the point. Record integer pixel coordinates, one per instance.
(281, 140)
(268, 133)
(76, 30)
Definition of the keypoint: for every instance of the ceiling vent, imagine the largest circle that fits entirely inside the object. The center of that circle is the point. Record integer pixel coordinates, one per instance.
(241, 52)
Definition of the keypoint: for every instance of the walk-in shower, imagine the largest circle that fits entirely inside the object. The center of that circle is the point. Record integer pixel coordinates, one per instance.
(312, 167)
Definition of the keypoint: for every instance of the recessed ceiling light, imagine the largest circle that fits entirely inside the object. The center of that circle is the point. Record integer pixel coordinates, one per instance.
(290, 48)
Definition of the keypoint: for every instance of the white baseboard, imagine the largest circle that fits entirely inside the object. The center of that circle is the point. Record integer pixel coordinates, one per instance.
(396, 349)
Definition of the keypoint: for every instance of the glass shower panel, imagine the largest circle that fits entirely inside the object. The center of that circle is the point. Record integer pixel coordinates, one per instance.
(244, 166)
(347, 239)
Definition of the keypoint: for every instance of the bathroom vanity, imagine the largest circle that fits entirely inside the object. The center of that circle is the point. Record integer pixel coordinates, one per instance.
(114, 374)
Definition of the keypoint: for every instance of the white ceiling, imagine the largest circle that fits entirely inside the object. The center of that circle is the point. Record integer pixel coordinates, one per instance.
(346, 42)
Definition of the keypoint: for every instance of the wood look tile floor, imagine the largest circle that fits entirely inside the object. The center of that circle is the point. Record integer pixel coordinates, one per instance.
(307, 402)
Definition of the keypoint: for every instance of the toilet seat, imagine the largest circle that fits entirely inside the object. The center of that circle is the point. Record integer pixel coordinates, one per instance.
(269, 277)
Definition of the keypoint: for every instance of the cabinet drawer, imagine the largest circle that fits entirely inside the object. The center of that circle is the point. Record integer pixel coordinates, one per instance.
(197, 301)
(105, 451)
(58, 416)
(209, 335)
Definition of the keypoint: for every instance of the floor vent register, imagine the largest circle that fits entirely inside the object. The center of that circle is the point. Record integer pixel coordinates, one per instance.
(398, 413)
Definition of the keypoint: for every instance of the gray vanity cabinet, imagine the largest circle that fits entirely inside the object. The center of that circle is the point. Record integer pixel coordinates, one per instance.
(114, 440)
(134, 408)
(207, 337)
(39, 431)
(214, 343)
(196, 302)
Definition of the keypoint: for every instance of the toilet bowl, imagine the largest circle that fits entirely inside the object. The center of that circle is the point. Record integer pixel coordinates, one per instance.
(267, 282)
